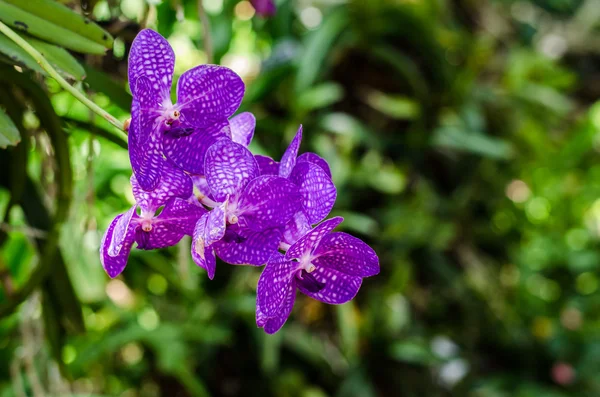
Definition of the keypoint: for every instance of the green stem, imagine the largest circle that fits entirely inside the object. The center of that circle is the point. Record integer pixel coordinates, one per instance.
(206, 37)
(39, 58)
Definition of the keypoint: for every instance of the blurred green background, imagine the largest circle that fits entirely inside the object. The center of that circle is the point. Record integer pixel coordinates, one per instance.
(463, 137)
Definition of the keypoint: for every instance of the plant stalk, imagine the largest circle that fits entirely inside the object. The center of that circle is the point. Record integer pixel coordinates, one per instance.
(39, 58)
(206, 37)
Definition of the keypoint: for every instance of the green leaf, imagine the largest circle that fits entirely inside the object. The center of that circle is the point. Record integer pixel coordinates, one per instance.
(60, 58)
(53, 32)
(66, 18)
(414, 352)
(9, 134)
(318, 48)
(18, 55)
(320, 96)
(394, 106)
(347, 320)
(456, 138)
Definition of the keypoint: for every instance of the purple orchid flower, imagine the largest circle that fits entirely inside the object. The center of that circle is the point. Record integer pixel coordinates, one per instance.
(326, 266)
(264, 8)
(312, 175)
(249, 213)
(149, 229)
(188, 151)
(207, 96)
(290, 158)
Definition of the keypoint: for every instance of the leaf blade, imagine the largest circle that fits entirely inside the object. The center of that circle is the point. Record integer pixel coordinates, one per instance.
(9, 134)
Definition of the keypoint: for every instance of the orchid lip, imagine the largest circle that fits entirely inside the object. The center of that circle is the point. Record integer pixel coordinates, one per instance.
(309, 282)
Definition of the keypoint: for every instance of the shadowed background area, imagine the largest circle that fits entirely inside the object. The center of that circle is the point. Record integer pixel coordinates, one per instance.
(463, 139)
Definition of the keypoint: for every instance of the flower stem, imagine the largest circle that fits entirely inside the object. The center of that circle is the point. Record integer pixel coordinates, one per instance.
(206, 37)
(39, 58)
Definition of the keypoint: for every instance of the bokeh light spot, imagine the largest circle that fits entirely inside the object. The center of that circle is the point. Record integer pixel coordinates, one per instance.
(148, 319)
(587, 283)
(69, 354)
(571, 319)
(518, 191)
(157, 284)
(538, 210)
(244, 10)
(311, 17)
(577, 239)
(119, 293)
(213, 6)
(563, 373)
(132, 353)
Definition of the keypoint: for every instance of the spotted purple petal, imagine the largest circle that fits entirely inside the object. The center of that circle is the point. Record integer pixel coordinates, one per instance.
(288, 160)
(254, 249)
(268, 201)
(201, 185)
(122, 230)
(315, 159)
(215, 225)
(189, 152)
(173, 183)
(242, 128)
(317, 190)
(114, 264)
(181, 215)
(229, 168)
(296, 227)
(311, 240)
(339, 287)
(144, 93)
(207, 94)
(274, 283)
(151, 57)
(267, 165)
(346, 254)
(162, 235)
(261, 319)
(145, 147)
(274, 323)
(202, 255)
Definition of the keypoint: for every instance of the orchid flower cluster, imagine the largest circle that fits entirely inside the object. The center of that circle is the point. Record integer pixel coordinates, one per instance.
(194, 175)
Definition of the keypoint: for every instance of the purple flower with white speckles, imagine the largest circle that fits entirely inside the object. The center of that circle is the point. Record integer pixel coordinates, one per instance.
(207, 96)
(259, 206)
(188, 151)
(149, 229)
(244, 227)
(242, 128)
(312, 175)
(326, 266)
